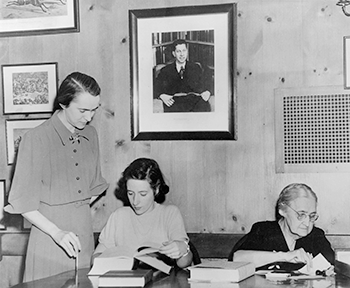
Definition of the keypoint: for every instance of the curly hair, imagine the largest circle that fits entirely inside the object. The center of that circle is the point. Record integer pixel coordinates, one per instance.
(143, 169)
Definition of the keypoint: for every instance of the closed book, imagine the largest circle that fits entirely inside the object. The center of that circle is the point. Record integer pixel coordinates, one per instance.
(221, 270)
(125, 278)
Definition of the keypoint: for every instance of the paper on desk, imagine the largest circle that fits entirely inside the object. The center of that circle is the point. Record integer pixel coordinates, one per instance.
(343, 256)
(318, 263)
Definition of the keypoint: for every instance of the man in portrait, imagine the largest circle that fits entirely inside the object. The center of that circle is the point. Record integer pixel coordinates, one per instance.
(182, 84)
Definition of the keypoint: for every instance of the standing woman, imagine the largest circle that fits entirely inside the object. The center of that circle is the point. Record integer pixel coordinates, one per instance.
(57, 173)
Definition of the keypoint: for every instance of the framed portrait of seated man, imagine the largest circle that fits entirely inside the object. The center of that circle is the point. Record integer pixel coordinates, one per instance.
(183, 63)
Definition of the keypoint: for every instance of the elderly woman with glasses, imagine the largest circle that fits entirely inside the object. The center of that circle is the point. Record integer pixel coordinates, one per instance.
(290, 242)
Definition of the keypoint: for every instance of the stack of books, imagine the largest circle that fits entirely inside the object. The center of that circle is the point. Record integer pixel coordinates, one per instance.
(125, 278)
(221, 270)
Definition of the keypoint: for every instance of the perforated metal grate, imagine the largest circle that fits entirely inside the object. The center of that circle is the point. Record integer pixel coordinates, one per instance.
(316, 129)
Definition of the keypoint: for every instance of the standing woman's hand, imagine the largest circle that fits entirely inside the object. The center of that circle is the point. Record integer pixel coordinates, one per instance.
(68, 241)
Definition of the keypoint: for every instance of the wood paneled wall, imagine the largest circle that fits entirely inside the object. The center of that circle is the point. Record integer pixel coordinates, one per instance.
(219, 186)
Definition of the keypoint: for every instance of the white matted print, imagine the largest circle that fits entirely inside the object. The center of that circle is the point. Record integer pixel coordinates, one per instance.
(29, 88)
(15, 129)
(24, 17)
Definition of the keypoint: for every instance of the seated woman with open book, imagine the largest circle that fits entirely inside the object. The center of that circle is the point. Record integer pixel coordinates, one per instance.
(290, 242)
(144, 218)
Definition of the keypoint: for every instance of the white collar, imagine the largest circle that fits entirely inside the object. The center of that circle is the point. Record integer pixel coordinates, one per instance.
(178, 66)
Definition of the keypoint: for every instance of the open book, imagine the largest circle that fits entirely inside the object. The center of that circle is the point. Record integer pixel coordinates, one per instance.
(125, 258)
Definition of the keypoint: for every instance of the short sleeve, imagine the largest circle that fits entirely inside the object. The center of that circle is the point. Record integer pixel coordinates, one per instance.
(106, 238)
(175, 224)
(26, 185)
(98, 184)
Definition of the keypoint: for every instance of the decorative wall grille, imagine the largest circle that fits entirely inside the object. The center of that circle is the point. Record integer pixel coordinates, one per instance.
(312, 129)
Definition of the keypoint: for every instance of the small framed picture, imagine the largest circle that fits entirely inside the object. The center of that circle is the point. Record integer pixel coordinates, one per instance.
(24, 17)
(29, 88)
(15, 129)
(346, 60)
(2, 204)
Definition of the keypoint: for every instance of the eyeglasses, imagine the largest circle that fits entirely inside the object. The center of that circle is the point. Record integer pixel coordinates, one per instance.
(302, 216)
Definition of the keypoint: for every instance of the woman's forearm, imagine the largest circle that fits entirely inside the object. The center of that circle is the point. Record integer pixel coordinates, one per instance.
(40, 221)
(67, 240)
(185, 260)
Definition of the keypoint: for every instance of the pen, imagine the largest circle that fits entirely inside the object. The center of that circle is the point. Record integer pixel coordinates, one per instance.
(210, 267)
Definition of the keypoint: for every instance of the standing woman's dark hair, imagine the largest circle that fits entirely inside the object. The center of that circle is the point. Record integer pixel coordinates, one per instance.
(72, 85)
(143, 169)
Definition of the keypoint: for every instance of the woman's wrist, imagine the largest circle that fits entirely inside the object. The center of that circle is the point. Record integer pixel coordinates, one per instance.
(187, 249)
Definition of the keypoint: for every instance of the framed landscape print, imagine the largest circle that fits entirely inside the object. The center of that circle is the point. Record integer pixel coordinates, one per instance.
(37, 17)
(15, 129)
(29, 88)
(209, 33)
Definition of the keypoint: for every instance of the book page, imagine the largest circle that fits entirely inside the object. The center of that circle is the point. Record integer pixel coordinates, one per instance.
(154, 262)
(122, 258)
(147, 248)
(118, 251)
(147, 253)
(319, 262)
(114, 258)
(105, 264)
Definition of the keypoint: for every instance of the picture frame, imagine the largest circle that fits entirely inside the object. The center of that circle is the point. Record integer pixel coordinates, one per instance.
(212, 27)
(26, 18)
(15, 129)
(29, 88)
(2, 204)
(346, 63)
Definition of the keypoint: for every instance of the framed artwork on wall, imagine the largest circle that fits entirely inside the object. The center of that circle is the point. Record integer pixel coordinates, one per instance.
(24, 18)
(346, 72)
(29, 88)
(2, 204)
(15, 129)
(200, 106)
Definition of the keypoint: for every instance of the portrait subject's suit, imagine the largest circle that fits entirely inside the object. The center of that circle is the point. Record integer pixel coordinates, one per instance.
(191, 83)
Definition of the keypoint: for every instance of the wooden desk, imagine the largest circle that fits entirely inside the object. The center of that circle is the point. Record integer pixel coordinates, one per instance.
(180, 280)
